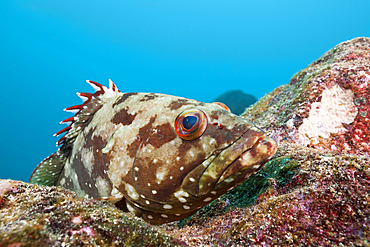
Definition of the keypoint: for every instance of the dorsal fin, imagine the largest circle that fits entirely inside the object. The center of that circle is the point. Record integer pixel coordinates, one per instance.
(48, 171)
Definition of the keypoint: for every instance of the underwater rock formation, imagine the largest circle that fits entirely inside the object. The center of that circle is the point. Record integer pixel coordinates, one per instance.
(236, 100)
(326, 105)
(32, 215)
(316, 190)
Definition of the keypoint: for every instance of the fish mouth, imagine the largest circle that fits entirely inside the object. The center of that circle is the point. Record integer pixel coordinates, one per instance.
(231, 166)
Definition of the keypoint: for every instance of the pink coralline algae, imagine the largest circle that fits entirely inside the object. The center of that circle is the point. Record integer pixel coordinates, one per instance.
(326, 105)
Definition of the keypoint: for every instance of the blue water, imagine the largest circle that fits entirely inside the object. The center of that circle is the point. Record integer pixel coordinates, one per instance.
(195, 49)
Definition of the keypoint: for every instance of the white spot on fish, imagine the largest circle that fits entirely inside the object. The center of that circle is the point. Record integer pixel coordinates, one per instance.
(167, 206)
(155, 161)
(186, 207)
(177, 158)
(177, 214)
(154, 192)
(131, 209)
(181, 193)
(191, 153)
(164, 215)
(213, 192)
(160, 174)
(136, 168)
(182, 199)
(149, 184)
(171, 177)
(228, 180)
(192, 179)
(150, 217)
(181, 168)
(230, 188)
(131, 192)
(207, 199)
(147, 202)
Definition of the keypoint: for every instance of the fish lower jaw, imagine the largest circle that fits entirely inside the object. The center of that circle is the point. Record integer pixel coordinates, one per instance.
(250, 161)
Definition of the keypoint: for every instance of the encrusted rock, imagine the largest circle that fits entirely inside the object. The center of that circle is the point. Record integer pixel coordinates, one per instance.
(32, 215)
(326, 105)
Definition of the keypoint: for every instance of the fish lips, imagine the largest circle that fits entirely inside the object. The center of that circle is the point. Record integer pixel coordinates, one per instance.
(231, 166)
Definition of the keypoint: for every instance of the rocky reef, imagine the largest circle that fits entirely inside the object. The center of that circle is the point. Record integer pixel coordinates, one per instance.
(236, 100)
(314, 192)
(325, 106)
(32, 215)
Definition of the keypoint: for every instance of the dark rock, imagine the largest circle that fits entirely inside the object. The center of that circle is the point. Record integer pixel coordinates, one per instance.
(236, 100)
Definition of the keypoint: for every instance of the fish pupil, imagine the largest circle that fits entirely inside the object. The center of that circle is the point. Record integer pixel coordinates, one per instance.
(189, 122)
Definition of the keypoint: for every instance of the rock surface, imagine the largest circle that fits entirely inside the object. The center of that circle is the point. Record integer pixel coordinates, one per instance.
(32, 215)
(326, 105)
(314, 192)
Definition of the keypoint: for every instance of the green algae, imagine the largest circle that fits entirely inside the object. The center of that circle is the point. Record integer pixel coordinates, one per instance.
(277, 172)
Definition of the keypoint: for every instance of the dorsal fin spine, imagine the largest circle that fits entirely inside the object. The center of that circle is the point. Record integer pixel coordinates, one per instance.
(63, 130)
(70, 119)
(84, 96)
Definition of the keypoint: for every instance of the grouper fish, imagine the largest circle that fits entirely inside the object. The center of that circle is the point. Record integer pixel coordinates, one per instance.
(157, 156)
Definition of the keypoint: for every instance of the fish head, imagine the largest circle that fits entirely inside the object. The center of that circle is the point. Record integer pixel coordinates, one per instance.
(188, 154)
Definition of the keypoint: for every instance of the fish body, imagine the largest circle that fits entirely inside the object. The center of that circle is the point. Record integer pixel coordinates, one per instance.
(158, 156)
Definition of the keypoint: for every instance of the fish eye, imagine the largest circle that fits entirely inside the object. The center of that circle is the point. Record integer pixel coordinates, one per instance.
(222, 105)
(191, 124)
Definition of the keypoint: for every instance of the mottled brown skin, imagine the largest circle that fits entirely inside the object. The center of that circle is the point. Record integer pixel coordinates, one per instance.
(129, 153)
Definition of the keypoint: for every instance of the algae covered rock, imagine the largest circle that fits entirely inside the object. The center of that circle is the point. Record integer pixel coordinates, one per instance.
(326, 105)
(32, 215)
(316, 190)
